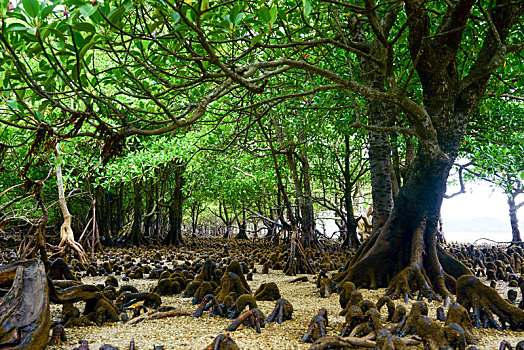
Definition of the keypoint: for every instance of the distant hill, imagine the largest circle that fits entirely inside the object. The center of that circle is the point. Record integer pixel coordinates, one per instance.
(484, 224)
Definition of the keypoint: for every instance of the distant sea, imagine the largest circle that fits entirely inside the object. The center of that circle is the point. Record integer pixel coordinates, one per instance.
(467, 230)
(470, 237)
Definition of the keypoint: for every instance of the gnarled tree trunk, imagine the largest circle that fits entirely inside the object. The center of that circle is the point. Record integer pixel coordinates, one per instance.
(67, 238)
(408, 238)
(404, 253)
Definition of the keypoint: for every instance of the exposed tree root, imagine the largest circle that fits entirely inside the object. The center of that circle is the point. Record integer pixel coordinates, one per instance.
(98, 308)
(156, 314)
(408, 282)
(341, 343)
(486, 302)
(405, 258)
(459, 315)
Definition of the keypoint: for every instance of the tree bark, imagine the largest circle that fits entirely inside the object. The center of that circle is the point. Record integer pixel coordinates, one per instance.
(380, 165)
(350, 239)
(242, 233)
(304, 198)
(408, 238)
(514, 221)
(103, 213)
(174, 236)
(67, 237)
(135, 236)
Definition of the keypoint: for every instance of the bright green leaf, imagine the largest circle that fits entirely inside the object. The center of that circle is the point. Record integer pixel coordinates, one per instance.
(307, 7)
(32, 7)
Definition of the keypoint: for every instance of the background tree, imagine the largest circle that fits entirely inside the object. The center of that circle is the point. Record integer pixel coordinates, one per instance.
(496, 152)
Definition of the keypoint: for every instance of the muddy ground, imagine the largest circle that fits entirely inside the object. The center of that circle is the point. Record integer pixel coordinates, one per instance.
(189, 333)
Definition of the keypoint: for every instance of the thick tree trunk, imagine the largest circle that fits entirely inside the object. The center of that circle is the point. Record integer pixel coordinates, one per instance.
(403, 253)
(174, 236)
(515, 232)
(380, 166)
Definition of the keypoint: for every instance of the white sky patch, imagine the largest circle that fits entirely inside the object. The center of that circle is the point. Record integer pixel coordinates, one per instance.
(478, 201)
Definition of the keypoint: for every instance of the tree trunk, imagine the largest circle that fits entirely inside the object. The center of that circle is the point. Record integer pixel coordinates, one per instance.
(407, 241)
(350, 239)
(150, 208)
(174, 236)
(242, 234)
(103, 210)
(515, 232)
(380, 166)
(67, 237)
(308, 214)
(135, 236)
(304, 198)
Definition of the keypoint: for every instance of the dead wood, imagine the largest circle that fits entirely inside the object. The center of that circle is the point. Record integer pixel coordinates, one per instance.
(24, 310)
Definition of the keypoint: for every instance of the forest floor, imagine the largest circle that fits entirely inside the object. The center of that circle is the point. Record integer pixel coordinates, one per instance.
(186, 332)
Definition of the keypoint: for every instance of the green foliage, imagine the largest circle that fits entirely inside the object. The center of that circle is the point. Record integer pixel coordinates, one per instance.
(495, 147)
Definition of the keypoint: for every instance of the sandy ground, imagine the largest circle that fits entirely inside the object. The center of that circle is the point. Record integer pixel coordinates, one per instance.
(189, 333)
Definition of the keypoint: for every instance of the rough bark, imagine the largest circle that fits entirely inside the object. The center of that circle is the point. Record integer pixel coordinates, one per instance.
(103, 210)
(174, 236)
(380, 165)
(409, 232)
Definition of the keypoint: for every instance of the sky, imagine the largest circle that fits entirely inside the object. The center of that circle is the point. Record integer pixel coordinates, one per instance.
(480, 212)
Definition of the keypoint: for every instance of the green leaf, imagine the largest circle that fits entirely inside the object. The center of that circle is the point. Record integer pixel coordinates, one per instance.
(13, 105)
(190, 14)
(205, 5)
(46, 11)
(84, 27)
(44, 105)
(175, 16)
(256, 39)
(15, 27)
(16, 15)
(239, 17)
(32, 7)
(88, 45)
(263, 14)
(307, 7)
(115, 15)
(273, 14)
(87, 10)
